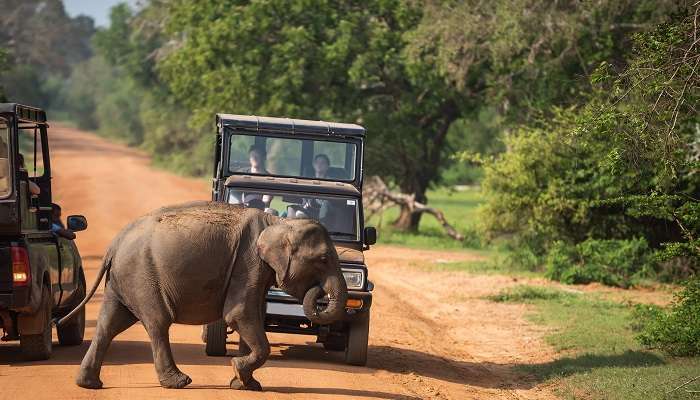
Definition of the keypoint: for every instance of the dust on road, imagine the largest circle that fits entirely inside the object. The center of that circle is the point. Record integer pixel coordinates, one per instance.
(432, 334)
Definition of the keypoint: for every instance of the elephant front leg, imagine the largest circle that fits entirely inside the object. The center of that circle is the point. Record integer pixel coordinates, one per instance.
(168, 374)
(253, 335)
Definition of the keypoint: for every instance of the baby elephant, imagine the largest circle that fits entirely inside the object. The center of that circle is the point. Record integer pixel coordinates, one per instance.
(196, 262)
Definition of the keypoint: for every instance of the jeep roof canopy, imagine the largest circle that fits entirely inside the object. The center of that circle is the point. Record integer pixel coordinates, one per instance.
(24, 113)
(288, 125)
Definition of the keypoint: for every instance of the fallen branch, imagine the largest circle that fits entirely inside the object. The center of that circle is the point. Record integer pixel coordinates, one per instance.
(678, 387)
(378, 198)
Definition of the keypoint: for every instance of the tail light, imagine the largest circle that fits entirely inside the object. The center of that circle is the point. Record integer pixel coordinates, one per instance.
(21, 273)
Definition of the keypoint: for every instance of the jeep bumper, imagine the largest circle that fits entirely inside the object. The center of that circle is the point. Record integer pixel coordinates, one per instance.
(286, 315)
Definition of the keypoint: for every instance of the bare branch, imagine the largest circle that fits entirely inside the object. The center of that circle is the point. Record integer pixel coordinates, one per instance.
(378, 198)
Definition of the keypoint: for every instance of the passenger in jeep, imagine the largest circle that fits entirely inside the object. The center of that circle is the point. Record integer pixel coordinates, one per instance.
(57, 226)
(321, 165)
(257, 166)
(33, 187)
(323, 169)
(256, 156)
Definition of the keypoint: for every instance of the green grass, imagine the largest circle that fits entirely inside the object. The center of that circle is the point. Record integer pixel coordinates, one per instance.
(599, 356)
(459, 207)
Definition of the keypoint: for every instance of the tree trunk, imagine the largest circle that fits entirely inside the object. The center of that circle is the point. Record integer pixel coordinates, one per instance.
(409, 218)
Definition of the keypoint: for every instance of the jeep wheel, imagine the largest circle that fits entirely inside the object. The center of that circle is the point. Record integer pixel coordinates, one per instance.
(38, 347)
(214, 336)
(335, 343)
(358, 335)
(73, 331)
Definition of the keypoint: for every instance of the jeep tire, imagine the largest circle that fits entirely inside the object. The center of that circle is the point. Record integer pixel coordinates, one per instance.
(214, 337)
(38, 347)
(358, 335)
(72, 332)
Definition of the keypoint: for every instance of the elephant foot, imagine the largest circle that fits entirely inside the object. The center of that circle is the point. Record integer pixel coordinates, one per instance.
(177, 380)
(84, 380)
(252, 385)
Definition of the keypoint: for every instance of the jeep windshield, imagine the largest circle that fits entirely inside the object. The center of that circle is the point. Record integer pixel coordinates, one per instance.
(311, 158)
(339, 214)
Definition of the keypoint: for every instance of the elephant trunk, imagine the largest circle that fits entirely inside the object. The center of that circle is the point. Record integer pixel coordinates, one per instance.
(334, 286)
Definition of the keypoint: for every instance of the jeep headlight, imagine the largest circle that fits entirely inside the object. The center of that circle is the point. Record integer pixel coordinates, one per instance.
(354, 278)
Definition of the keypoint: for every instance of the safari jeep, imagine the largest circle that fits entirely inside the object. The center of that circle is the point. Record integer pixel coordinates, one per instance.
(301, 169)
(41, 274)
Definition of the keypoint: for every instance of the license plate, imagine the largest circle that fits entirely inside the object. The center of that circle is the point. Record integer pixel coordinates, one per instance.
(294, 310)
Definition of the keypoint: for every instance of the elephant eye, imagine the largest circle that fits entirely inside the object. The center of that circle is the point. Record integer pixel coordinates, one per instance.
(323, 258)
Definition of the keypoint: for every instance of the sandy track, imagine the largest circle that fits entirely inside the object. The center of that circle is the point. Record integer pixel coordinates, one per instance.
(432, 334)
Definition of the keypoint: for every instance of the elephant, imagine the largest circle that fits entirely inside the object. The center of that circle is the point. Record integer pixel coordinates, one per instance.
(198, 262)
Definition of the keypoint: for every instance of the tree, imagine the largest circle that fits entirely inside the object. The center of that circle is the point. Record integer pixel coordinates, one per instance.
(620, 167)
(41, 34)
(43, 43)
(332, 60)
(3, 65)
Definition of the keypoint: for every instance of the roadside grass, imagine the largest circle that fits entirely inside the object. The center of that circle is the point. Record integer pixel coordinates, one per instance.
(600, 358)
(459, 207)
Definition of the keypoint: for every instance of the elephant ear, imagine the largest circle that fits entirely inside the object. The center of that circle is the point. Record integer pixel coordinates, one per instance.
(275, 249)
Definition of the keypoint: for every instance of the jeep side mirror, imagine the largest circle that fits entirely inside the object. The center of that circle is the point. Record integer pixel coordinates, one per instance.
(77, 223)
(370, 235)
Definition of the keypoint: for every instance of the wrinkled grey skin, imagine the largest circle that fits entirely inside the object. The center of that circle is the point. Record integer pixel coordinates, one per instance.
(193, 264)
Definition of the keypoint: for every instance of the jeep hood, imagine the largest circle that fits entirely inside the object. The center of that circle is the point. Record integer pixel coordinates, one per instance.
(349, 255)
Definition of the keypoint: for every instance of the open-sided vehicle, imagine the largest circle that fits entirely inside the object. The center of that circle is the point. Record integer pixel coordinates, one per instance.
(41, 274)
(301, 169)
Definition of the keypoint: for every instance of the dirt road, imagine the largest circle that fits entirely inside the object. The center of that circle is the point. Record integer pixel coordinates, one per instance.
(432, 334)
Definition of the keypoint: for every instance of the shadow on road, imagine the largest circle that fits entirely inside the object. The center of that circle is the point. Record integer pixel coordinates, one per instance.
(386, 358)
(339, 392)
(479, 374)
(587, 362)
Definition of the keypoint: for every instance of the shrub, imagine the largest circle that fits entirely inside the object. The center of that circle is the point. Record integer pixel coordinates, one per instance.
(677, 330)
(611, 262)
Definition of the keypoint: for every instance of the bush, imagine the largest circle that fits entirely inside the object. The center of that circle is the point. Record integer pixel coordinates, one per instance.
(676, 331)
(611, 262)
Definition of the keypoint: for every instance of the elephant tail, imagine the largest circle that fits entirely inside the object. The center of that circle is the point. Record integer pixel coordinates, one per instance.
(106, 265)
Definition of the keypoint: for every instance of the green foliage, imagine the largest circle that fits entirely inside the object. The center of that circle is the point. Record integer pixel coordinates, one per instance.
(118, 94)
(676, 331)
(499, 51)
(321, 60)
(42, 44)
(620, 167)
(611, 262)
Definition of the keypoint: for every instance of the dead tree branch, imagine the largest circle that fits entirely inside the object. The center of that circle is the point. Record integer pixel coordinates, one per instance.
(378, 198)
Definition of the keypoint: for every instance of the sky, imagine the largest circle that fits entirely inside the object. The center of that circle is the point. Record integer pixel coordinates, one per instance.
(97, 9)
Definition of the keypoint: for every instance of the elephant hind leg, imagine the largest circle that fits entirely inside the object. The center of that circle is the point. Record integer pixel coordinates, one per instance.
(114, 318)
(169, 375)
